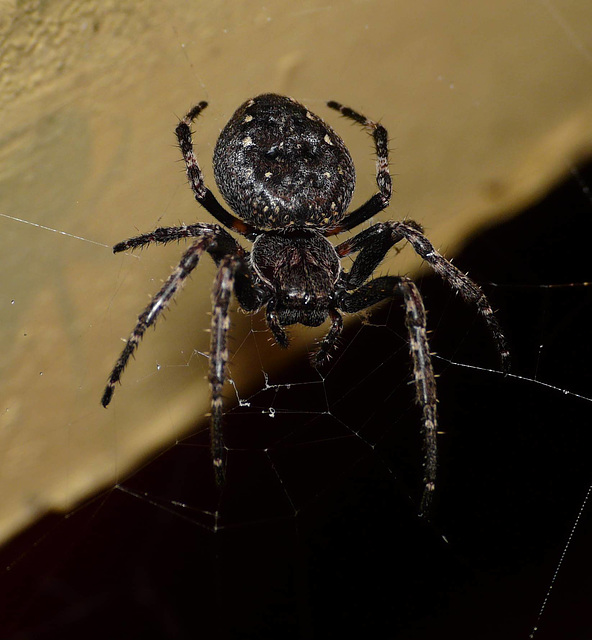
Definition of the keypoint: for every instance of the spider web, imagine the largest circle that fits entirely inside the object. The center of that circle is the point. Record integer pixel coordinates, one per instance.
(316, 533)
(324, 477)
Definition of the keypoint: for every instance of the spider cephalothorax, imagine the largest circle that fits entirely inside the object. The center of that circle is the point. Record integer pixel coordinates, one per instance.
(289, 178)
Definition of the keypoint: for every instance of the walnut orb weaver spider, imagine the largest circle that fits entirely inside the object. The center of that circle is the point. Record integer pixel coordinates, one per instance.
(288, 178)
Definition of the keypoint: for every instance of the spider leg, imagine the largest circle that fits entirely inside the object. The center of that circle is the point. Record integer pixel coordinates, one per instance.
(218, 243)
(221, 296)
(379, 201)
(423, 373)
(374, 243)
(202, 194)
(233, 274)
(459, 281)
(224, 241)
(158, 304)
(223, 244)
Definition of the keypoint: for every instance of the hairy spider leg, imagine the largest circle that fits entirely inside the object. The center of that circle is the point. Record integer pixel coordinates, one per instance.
(202, 194)
(470, 291)
(380, 200)
(374, 243)
(157, 305)
(233, 273)
(384, 288)
(221, 296)
(222, 244)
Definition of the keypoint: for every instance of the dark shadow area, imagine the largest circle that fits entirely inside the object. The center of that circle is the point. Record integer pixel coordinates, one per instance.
(319, 536)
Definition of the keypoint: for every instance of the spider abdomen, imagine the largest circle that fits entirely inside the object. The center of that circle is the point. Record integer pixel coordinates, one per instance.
(278, 165)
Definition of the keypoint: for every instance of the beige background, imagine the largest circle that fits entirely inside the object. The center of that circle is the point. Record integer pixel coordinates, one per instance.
(487, 104)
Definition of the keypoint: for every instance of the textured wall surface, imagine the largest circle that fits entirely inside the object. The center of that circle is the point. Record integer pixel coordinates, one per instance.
(486, 105)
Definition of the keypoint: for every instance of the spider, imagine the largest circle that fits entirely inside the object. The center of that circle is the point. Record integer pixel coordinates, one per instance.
(289, 179)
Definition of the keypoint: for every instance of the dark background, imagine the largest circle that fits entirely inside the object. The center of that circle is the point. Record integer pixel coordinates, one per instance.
(318, 534)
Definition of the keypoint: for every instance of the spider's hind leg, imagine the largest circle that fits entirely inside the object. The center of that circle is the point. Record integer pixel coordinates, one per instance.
(195, 177)
(380, 200)
(211, 238)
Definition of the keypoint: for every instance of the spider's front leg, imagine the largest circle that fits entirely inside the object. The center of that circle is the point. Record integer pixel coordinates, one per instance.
(423, 372)
(230, 268)
(157, 305)
(211, 238)
(233, 274)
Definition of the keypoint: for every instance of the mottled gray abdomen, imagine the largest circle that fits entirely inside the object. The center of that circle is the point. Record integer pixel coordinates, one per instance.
(279, 165)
